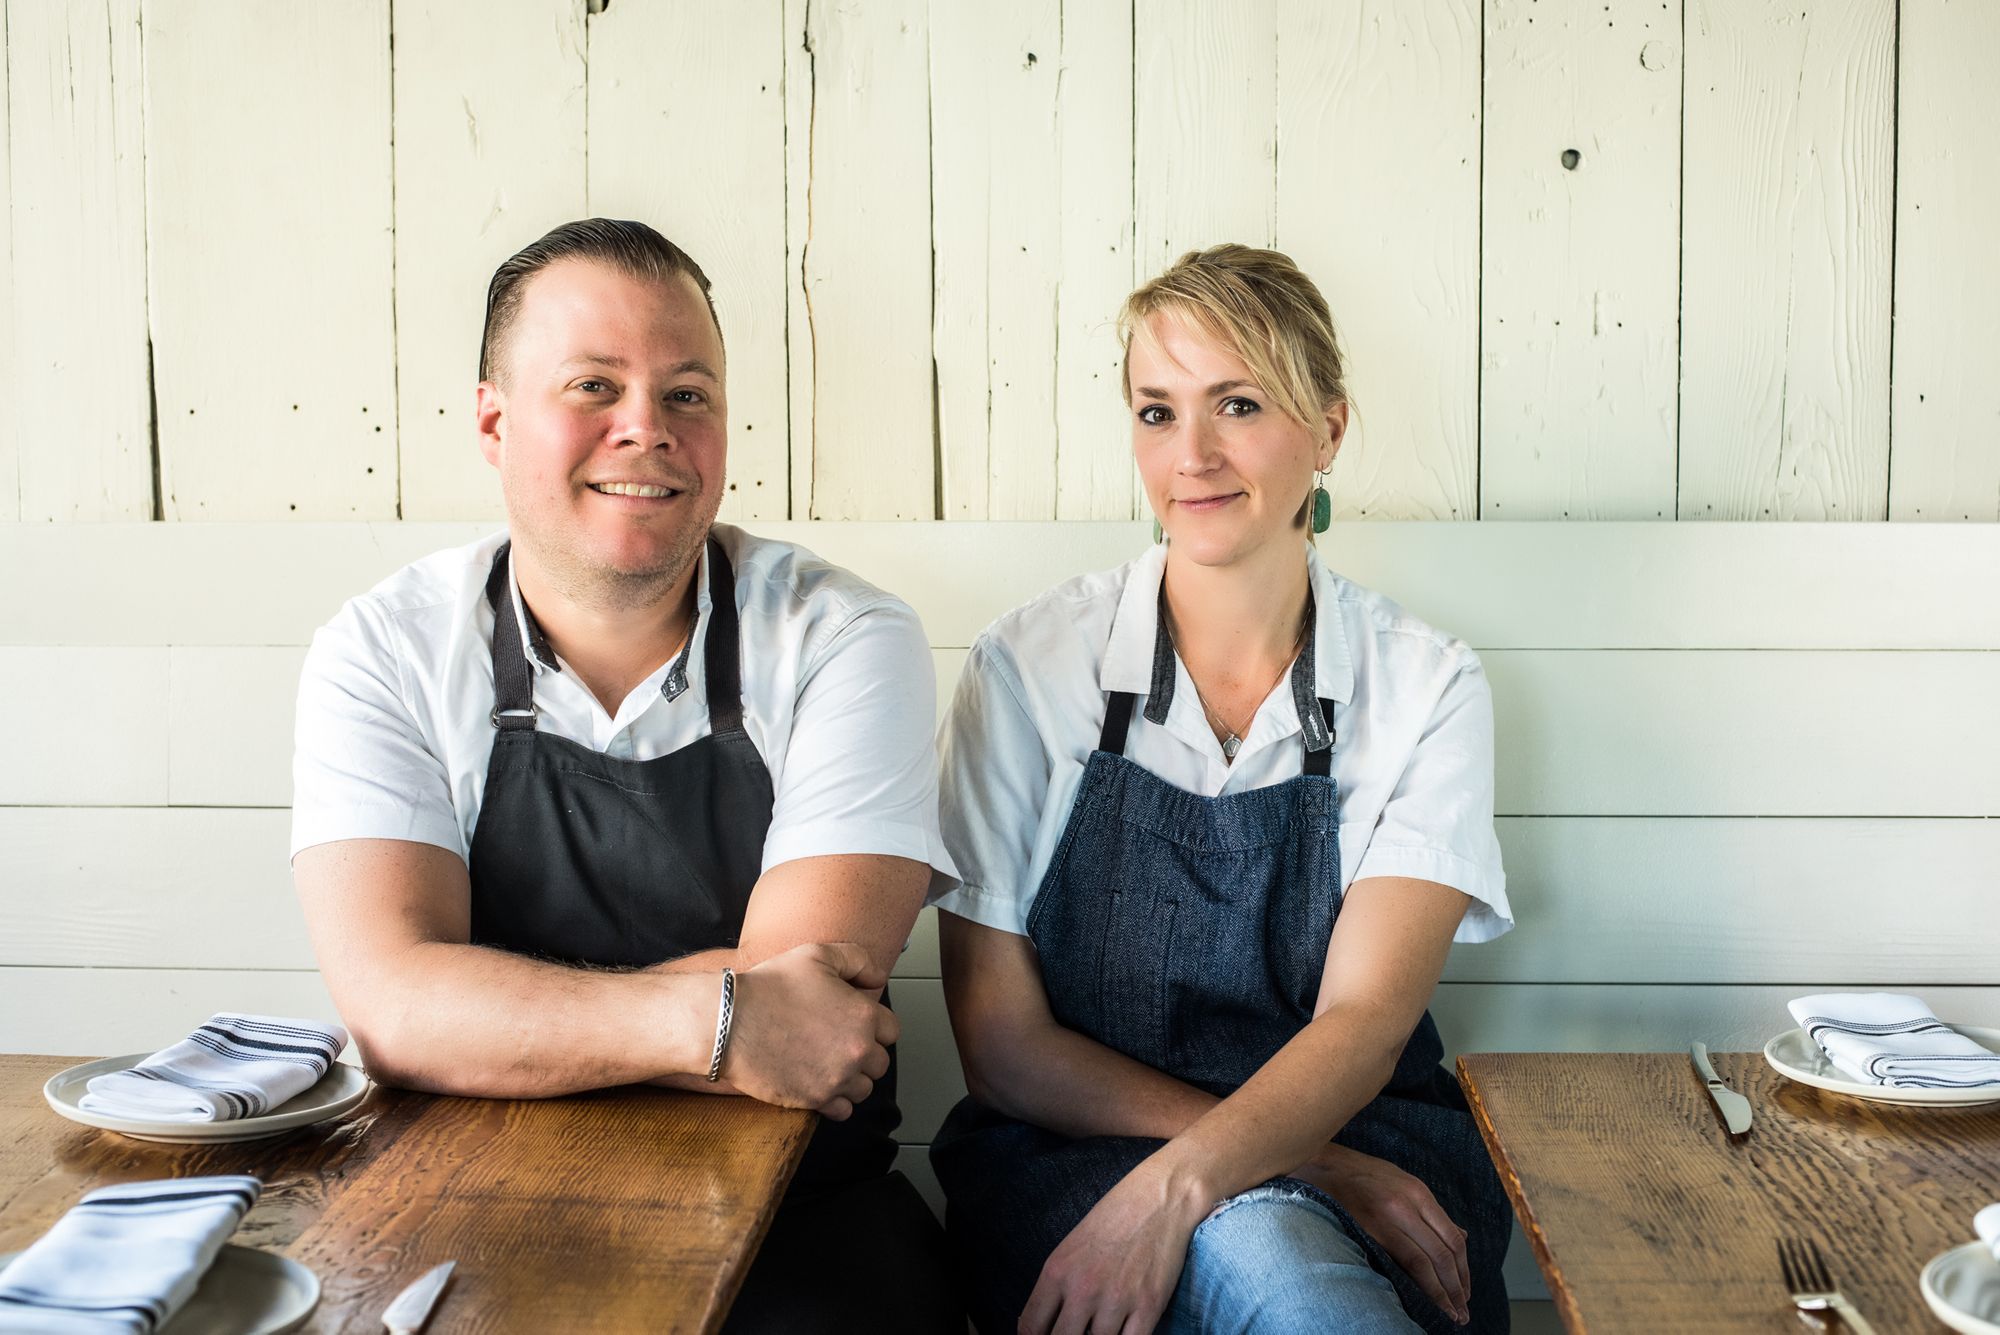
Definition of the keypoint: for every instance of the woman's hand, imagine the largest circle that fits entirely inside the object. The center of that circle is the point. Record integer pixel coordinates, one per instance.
(1399, 1212)
(1116, 1271)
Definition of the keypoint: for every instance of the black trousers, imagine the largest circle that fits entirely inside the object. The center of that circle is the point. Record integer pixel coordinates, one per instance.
(864, 1256)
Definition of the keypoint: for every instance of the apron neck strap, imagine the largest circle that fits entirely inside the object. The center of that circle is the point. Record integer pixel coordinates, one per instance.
(514, 680)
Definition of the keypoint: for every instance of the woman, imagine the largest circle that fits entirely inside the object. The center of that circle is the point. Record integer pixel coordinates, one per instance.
(1219, 815)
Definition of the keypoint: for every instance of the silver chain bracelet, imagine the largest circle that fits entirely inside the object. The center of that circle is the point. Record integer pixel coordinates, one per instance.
(723, 1017)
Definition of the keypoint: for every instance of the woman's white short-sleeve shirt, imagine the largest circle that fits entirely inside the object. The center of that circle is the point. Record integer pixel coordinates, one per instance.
(1413, 758)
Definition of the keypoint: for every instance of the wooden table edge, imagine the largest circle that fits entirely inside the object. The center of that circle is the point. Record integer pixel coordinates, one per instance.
(1565, 1301)
(723, 1298)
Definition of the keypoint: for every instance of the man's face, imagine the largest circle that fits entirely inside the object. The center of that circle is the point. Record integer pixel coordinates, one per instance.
(608, 425)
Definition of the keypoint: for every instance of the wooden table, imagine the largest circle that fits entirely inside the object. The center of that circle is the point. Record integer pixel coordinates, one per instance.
(1646, 1216)
(630, 1209)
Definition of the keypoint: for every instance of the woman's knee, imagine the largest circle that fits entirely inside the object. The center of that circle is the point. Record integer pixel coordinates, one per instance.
(1273, 1260)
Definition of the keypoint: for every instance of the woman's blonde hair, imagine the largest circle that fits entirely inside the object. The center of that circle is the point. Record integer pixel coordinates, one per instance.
(1262, 307)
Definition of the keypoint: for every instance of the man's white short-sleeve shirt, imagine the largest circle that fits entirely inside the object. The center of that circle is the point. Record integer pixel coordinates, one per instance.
(394, 730)
(1413, 761)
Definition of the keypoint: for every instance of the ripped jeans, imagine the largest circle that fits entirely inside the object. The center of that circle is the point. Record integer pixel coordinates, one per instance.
(1272, 1262)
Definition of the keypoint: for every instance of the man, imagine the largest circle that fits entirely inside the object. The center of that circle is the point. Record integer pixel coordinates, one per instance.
(561, 792)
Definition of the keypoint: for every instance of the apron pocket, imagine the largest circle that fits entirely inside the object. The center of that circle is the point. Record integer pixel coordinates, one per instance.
(1133, 1000)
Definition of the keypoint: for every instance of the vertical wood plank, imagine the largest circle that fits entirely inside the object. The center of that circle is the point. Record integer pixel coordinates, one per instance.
(1206, 129)
(1094, 472)
(270, 259)
(700, 155)
(1785, 259)
(867, 258)
(798, 197)
(80, 411)
(10, 447)
(1944, 459)
(996, 229)
(1580, 263)
(1378, 199)
(489, 155)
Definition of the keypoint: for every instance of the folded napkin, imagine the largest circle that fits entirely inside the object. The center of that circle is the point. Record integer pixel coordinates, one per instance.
(233, 1066)
(1987, 1224)
(1886, 1038)
(124, 1258)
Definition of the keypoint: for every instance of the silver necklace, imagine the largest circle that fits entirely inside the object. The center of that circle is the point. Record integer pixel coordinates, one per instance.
(1231, 742)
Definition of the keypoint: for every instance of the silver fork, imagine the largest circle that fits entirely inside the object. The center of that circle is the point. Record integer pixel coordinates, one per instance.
(1811, 1283)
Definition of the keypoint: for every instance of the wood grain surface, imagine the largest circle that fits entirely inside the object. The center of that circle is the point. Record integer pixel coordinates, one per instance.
(1645, 1215)
(629, 1209)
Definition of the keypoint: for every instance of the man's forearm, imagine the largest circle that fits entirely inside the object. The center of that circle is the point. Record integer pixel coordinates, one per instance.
(470, 1020)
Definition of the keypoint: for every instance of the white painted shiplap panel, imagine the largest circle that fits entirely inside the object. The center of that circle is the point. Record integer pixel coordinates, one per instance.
(489, 155)
(1205, 113)
(109, 1012)
(867, 259)
(1093, 473)
(696, 147)
(88, 727)
(1372, 93)
(996, 225)
(1785, 259)
(1580, 288)
(1744, 733)
(1498, 586)
(80, 410)
(155, 887)
(270, 259)
(1944, 462)
(798, 230)
(229, 726)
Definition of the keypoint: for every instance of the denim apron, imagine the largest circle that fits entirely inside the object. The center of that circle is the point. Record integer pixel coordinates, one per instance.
(584, 858)
(1190, 933)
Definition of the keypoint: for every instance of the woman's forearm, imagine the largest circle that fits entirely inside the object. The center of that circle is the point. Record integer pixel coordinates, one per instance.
(1072, 1084)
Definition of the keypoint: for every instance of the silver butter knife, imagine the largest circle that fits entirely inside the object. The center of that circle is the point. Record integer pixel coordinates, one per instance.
(1735, 1109)
(406, 1316)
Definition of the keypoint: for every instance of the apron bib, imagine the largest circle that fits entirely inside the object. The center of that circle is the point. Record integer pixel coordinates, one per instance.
(1190, 933)
(582, 858)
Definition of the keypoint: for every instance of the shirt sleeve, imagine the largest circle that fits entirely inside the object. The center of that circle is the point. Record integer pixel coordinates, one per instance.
(993, 776)
(1438, 822)
(860, 771)
(361, 768)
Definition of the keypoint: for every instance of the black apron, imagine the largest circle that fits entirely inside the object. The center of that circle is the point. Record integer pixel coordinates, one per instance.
(582, 858)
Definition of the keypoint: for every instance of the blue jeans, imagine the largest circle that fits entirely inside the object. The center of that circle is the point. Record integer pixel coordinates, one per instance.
(1272, 1261)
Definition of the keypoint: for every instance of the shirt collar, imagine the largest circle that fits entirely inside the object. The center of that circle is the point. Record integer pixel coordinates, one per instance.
(1128, 658)
(542, 656)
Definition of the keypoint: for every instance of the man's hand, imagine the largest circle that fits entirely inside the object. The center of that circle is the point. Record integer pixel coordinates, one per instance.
(810, 1029)
(1399, 1212)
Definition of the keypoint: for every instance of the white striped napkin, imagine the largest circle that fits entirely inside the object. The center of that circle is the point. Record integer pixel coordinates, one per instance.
(233, 1066)
(124, 1258)
(1887, 1038)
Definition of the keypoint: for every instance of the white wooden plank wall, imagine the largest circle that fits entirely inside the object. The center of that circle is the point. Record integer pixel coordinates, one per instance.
(80, 412)
(489, 106)
(1946, 401)
(10, 432)
(1581, 283)
(1378, 199)
(269, 220)
(1786, 219)
(230, 232)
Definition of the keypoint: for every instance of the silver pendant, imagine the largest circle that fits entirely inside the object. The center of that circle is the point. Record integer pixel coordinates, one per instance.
(1230, 746)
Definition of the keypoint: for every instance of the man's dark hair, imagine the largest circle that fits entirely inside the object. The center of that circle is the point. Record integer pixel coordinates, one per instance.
(631, 246)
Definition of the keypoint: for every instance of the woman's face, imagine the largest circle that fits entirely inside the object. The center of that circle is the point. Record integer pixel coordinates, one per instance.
(1226, 470)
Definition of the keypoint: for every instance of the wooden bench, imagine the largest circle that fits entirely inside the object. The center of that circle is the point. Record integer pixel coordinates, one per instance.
(1736, 763)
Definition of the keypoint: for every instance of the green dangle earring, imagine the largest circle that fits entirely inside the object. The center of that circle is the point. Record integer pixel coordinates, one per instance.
(1159, 533)
(1322, 511)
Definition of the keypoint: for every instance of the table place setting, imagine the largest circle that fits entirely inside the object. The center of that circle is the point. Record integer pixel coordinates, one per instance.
(1888, 1047)
(237, 1077)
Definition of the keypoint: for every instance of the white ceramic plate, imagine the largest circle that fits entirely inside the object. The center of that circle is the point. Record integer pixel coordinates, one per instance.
(1795, 1056)
(337, 1091)
(246, 1292)
(1963, 1288)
